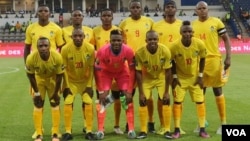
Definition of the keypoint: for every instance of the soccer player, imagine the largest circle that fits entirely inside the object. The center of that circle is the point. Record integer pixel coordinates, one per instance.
(78, 57)
(101, 39)
(188, 60)
(115, 61)
(153, 71)
(211, 30)
(42, 28)
(168, 30)
(134, 30)
(77, 20)
(45, 69)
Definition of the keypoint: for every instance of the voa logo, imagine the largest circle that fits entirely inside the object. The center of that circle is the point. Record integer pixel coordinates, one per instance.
(236, 132)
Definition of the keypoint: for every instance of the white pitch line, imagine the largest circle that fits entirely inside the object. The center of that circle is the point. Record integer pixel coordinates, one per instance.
(12, 71)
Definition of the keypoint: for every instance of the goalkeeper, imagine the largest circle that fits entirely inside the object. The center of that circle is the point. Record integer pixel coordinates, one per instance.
(115, 61)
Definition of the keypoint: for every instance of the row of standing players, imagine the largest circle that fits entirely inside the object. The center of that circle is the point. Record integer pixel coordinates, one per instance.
(152, 68)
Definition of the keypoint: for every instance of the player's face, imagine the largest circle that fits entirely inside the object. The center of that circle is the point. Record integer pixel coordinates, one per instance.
(106, 17)
(116, 43)
(43, 47)
(135, 9)
(170, 10)
(43, 13)
(78, 37)
(202, 10)
(186, 32)
(152, 42)
(77, 17)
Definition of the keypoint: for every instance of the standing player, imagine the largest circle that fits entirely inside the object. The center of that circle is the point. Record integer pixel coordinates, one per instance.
(153, 71)
(78, 57)
(188, 62)
(101, 39)
(115, 61)
(45, 69)
(134, 30)
(42, 28)
(77, 20)
(210, 30)
(168, 30)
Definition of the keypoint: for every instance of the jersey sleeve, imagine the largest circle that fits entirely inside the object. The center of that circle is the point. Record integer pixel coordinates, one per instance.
(28, 39)
(29, 64)
(59, 37)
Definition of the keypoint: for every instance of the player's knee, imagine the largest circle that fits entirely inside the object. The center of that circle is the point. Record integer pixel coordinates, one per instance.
(54, 104)
(217, 91)
(143, 103)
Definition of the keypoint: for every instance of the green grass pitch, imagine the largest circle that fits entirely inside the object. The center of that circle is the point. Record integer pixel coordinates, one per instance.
(16, 107)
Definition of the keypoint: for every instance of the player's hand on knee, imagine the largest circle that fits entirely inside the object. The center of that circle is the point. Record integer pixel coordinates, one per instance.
(38, 102)
(199, 82)
(142, 100)
(89, 91)
(66, 92)
(55, 100)
(102, 98)
(129, 98)
(166, 99)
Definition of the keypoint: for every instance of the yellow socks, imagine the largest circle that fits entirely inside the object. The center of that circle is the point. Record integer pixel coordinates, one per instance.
(201, 113)
(68, 110)
(55, 112)
(143, 112)
(37, 117)
(89, 117)
(220, 101)
(177, 109)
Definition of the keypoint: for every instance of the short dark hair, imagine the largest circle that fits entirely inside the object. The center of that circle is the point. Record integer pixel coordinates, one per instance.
(116, 32)
(131, 1)
(43, 38)
(43, 5)
(106, 9)
(168, 2)
(186, 23)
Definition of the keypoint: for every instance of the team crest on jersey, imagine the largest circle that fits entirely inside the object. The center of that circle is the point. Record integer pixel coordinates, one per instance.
(212, 28)
(160, 33)
(147, 26)
(196, 53)
(87, 56)
(162, 60)
(179, 55)
(145, 62)
(51, 33)
(87, 36)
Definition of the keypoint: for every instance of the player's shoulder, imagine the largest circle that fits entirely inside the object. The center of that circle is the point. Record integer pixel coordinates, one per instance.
(89, 46)
(54, 25)
(86, 28)
(66, 28)
(97, 28)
